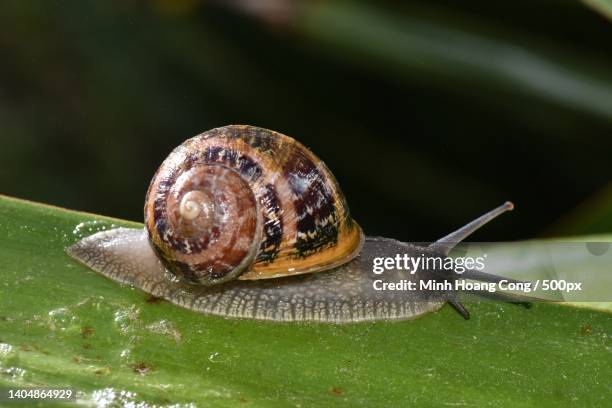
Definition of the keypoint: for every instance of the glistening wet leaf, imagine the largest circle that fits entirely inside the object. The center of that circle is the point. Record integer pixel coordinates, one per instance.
(64, 325)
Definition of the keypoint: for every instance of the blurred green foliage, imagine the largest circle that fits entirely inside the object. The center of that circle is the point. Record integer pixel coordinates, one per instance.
(603, 6)
(428, 112)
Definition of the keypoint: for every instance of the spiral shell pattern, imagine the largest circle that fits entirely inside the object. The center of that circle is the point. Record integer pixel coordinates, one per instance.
(241, 201)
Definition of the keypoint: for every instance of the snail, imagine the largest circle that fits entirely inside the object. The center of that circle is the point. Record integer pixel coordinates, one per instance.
(246, 222)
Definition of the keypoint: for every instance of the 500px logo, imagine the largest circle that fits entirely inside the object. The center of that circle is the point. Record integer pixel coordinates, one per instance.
(423, 262)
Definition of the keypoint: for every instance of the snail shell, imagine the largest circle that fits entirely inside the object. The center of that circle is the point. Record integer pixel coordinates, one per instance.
(246, 202)
(237, 205)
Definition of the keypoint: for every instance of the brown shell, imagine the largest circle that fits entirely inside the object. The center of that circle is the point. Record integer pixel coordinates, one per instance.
(267, 207)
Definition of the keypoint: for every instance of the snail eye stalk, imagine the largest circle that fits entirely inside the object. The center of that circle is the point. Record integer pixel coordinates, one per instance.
(445, 244)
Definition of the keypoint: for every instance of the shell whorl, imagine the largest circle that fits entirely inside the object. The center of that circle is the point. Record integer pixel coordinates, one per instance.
(242, 201)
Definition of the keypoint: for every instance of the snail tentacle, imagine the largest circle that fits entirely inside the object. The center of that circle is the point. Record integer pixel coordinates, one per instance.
(459, 307)
(502, 297)
(448, 242)
(486, 277)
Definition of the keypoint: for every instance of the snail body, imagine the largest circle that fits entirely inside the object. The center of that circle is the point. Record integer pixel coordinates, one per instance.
(339, 295)
(245, 222)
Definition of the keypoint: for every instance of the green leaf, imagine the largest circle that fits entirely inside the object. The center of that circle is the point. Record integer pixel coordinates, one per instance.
(64, 325)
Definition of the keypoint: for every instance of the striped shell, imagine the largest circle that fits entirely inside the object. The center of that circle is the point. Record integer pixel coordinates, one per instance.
(248, 203)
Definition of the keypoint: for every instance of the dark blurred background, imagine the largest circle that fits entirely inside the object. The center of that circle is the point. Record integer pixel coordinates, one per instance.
(428, 112)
